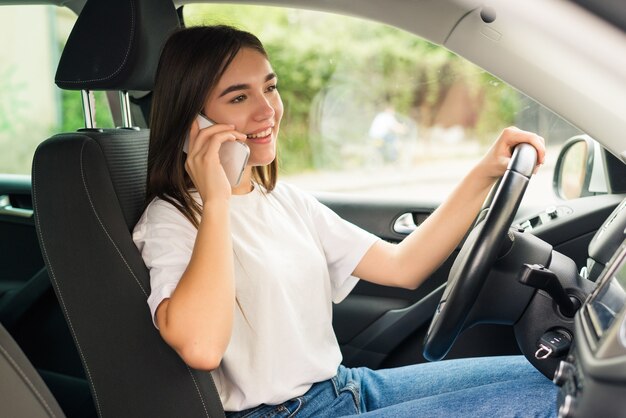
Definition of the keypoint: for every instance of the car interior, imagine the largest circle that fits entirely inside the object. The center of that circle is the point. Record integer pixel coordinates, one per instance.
(543, 280)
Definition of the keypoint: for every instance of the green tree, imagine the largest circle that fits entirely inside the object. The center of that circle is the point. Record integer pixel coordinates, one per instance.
(313, 52)
(72, 116)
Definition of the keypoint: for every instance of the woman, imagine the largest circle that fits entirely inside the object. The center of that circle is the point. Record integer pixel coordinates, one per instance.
(243, 278)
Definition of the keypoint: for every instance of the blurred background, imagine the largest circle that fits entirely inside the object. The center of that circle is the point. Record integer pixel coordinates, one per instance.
(369, 109)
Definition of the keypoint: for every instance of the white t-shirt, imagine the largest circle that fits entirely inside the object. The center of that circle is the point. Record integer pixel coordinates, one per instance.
(293, 256)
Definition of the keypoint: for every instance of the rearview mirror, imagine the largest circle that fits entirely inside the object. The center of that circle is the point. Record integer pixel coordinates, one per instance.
(580, 169)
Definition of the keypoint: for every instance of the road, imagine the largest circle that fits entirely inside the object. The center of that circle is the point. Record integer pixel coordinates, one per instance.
(431, 180)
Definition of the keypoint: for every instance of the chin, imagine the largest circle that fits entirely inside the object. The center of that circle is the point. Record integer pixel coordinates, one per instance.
(261, 159)
(260, 162)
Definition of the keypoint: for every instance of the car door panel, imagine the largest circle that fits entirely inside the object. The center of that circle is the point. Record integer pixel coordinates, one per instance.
(377, 217)
(23, 279)
(360, 312)
(377, 325)
(20, 257)
(29, 309)
(571, 231)
(371, 346)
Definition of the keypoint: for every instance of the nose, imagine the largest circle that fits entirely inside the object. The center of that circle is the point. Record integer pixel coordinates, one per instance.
(265, 109)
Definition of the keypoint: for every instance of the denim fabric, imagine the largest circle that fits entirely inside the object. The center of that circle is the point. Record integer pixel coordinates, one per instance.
(477, 387)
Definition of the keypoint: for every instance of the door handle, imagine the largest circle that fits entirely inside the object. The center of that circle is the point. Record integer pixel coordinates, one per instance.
(408, 222)
(8, 210)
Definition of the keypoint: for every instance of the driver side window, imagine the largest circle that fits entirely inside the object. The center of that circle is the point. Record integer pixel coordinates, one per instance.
(373, 110)
(32, 108)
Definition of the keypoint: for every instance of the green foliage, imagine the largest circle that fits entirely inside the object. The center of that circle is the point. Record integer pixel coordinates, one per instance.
(500, 107)
(335, 73)
(72, 111)
(12, 104)
(357, 66)
(20, 131)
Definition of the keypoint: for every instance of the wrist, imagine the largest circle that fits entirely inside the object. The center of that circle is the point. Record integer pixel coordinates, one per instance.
(218, 206)
(480, 179)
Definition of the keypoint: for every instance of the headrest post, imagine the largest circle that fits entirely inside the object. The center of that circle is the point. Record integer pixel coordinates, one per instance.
(127, 121)
(88, 108)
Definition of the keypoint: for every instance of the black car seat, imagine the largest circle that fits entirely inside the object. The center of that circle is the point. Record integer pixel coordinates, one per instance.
(88, 192)
(22, 391)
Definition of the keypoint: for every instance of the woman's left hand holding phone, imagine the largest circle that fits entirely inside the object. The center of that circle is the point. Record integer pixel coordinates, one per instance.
(203, 163)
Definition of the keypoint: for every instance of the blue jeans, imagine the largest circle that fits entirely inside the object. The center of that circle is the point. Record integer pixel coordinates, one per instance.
(478, 387)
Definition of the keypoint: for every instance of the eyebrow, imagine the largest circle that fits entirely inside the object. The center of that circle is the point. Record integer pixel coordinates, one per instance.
(236, 87)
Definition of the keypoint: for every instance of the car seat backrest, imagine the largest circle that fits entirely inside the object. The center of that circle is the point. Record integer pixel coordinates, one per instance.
(22, 391)
(88, 192)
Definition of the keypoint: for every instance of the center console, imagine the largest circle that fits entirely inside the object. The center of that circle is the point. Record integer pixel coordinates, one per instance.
(593, 375)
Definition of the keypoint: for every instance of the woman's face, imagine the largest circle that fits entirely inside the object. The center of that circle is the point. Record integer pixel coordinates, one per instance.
(246, 96)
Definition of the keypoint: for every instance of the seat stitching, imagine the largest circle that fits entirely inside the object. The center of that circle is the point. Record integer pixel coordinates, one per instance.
(126, 263)
(60, 294)
(82, 173)
(28, 381)
(114, 73)
(45, 253)
(198, 389)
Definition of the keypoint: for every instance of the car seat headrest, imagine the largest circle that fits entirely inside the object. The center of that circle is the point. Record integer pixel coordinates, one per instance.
(116, 44)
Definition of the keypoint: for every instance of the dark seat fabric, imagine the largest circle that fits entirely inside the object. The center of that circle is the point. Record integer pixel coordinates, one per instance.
(88, 192)
(22, 391)
(115, 45)
(100, 279)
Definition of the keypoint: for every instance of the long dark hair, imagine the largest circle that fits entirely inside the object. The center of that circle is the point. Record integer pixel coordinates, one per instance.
(192, 62)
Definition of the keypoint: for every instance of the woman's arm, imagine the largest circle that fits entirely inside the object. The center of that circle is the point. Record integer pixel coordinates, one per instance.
(409, 263)
(197, 319)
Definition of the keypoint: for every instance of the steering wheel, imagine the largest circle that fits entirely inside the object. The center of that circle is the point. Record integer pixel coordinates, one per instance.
(479, 253)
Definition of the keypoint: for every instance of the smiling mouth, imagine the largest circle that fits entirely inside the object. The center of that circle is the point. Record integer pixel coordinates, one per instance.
(261, 134)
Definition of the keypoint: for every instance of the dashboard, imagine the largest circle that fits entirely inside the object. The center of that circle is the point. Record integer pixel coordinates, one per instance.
(593, 375)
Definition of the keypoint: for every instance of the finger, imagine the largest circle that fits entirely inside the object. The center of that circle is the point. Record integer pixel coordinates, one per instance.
(230, 135)
(195, 132)
(514, 136)
(216, 140)
(217, 134)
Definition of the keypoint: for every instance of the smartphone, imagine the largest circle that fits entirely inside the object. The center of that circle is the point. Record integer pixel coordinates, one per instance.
(233, 154)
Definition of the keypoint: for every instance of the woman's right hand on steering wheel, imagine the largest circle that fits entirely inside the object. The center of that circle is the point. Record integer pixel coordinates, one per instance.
(496, 160)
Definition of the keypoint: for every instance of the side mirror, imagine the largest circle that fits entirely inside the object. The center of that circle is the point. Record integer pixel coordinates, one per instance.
(580, 169)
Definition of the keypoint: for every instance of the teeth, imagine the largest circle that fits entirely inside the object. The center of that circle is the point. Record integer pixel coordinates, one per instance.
(260, 134)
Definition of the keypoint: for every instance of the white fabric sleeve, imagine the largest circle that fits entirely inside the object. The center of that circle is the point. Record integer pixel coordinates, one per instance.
(344, 246)
(165, 239)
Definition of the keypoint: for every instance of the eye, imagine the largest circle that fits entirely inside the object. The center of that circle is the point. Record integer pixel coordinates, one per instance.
(238, 99)
(271, 88)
